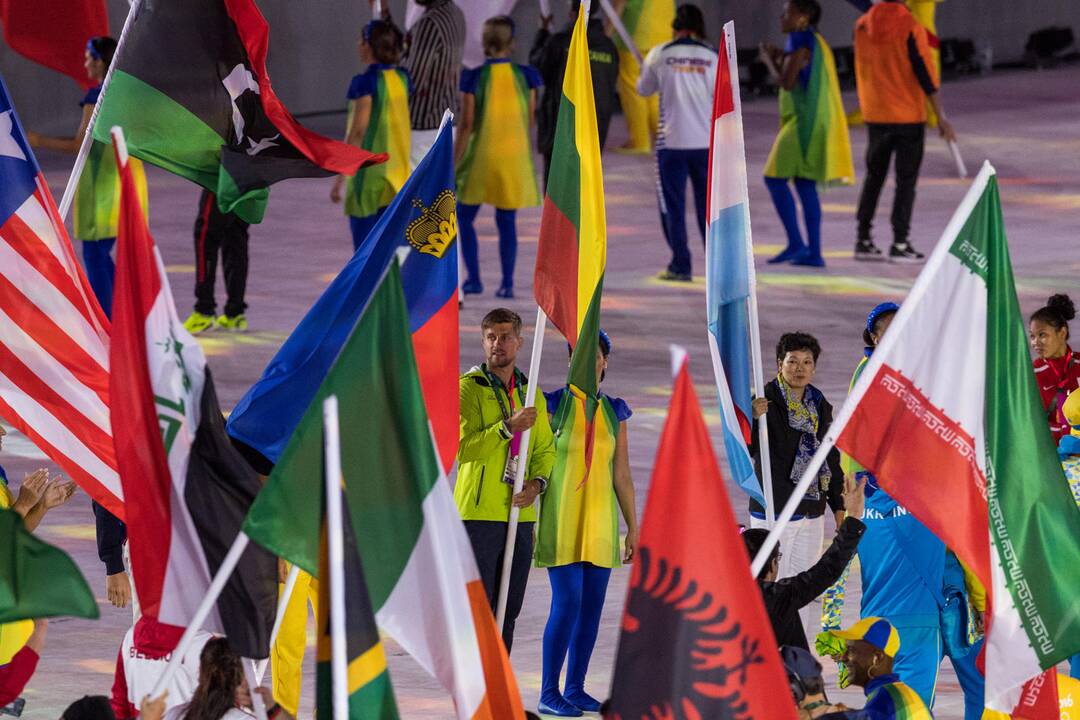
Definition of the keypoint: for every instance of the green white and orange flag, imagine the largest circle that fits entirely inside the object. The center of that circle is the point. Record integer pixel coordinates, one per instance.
(947, 416)
(572, 249)
(418, 566)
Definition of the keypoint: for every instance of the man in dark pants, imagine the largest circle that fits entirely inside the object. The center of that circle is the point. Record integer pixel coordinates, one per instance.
(549, 54)
(493, 418)
(217, 231)
(896, 76)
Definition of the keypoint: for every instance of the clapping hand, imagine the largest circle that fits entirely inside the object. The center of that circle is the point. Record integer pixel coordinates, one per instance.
(58, 493)
(30, 492)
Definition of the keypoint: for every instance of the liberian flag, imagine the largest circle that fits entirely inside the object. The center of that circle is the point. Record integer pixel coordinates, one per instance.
(186, 488)
(729, 274)
(54, 338)
(190, 88)
(423, 216)
(960, 439)
(696, 641)
(422, 578)
(572, 248)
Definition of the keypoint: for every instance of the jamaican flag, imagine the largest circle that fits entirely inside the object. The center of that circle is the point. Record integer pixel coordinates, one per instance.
(191, 91)
(371, 696)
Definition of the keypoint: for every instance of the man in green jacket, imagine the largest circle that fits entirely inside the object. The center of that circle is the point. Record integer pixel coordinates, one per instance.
(493, 418)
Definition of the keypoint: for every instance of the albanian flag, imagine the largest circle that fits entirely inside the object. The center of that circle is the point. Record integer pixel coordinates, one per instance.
(191, 92)
(696, 642)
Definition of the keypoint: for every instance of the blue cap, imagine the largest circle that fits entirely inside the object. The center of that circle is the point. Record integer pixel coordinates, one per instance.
(872, 318)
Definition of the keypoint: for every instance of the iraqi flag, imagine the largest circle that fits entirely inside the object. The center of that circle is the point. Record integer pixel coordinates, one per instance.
(423, 217)
(186, 489)
(696, 641)
(419, 568)
(54, 34)
(190, 88)
(960, 439)
(729, 274)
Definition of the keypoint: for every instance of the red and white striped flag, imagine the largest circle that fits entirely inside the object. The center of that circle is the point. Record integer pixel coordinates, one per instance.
(54, 338)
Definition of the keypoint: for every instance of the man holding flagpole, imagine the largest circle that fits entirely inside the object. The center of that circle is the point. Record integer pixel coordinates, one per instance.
(493, 417)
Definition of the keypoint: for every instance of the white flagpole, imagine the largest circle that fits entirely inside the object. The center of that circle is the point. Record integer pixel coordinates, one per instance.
(201, 613)
(257, 703)
(88, 138)
(283, 602)
(756, 360)
(915, 295)
(961, 168)
(336, 557)
(523, 463)
(624, 34)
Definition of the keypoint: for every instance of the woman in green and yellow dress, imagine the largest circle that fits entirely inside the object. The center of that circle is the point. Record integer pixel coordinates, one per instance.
(97, 196)
(812, 146)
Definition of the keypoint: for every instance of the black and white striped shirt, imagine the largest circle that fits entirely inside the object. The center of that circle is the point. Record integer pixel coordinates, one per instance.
(436, 45)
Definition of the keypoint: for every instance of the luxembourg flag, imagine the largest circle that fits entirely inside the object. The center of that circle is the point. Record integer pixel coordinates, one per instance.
(730, 268)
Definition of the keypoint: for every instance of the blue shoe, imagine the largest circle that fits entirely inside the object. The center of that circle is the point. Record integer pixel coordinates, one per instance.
(808, 259)
(506, 291)
(582, 700)
(472, 287)
(558, 707)
(787, 254)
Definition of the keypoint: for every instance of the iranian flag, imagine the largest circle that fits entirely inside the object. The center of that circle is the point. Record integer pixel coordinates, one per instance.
(419, 569)
(947, 416)
(186, 489)
(190, 88)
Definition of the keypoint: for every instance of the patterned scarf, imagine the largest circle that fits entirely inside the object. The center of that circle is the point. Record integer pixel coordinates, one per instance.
(803, 416)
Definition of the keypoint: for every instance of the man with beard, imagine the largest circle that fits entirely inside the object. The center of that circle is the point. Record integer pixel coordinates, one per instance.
(871, 645)
(493, 418)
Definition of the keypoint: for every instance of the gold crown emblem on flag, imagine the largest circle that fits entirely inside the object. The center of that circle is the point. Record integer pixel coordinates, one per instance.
(436, 227)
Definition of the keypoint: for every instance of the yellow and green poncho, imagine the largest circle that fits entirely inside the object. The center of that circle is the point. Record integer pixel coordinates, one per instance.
(579, 513)
(388, 131)
(813, 140)
(499, 167)
(97, 196)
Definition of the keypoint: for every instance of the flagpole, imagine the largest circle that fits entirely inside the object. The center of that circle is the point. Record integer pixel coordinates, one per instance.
(624, 34)
(283, 603)
(257, 703)
(756, 360)
(88, 138)
(336, 557)
(232, 558)
(523, 463)
(918, 290)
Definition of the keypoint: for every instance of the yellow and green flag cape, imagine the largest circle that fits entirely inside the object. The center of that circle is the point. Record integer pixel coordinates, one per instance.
(573, 229)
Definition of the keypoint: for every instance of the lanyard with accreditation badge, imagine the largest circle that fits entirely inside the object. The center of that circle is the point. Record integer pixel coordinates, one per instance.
(512, 457)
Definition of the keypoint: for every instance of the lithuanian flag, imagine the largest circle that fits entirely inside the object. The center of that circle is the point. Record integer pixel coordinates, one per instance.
(191, 91)
(573, 228)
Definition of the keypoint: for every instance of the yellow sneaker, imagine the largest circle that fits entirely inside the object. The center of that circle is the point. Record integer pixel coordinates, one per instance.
(197, 323)
(237, 323)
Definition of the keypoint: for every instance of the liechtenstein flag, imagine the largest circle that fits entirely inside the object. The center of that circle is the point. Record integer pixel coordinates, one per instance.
(422, 218)
(730, 268)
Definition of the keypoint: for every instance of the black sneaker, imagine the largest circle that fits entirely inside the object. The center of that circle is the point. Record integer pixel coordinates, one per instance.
(902, 252)
(669, 276)
(867, 251)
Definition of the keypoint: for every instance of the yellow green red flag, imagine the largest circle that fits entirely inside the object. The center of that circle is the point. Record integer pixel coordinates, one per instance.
(573, 229)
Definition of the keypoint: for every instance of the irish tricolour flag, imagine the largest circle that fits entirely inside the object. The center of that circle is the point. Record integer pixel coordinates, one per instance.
(730, 267)
(947, 416)
(418, 565)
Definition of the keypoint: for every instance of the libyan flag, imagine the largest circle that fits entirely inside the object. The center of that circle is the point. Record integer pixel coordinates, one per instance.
(191, 91)
(36, 579)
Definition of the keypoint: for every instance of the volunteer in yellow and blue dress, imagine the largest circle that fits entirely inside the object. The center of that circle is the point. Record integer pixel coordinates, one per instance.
(97, 196)
(578, 533)
(378, 121)
(494, 151)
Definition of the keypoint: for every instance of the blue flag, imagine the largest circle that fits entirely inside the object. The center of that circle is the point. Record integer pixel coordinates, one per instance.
(423, 215)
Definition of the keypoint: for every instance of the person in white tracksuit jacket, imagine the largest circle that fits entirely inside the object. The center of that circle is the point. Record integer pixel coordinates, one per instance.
(684, 73)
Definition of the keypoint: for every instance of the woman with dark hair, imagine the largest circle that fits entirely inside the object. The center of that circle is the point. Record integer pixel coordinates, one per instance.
(578, 533)
(223, 693)
(812, 146)
(798, 416)
(1057, 367)
(97, 197)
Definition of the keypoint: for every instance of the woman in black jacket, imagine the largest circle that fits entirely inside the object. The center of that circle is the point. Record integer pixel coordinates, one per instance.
(798, 416)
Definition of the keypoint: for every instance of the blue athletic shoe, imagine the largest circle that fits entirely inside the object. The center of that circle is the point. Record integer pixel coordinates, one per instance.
(472, 287)
(557, 706)
(582, 700)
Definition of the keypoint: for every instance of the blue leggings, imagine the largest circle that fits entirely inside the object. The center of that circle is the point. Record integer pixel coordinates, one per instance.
(100, 270)
(361, 227)
(785, 208)
(577, 599)
(506, 222)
